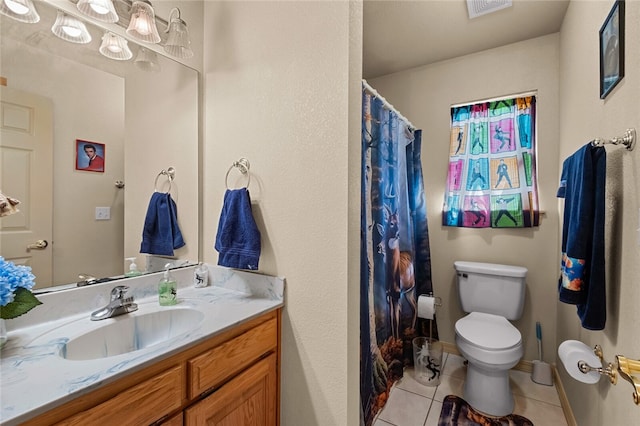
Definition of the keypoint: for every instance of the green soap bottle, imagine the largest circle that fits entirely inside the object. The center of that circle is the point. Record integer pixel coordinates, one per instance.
(167, 288)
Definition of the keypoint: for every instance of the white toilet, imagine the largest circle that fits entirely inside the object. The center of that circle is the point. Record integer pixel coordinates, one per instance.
(492, 295)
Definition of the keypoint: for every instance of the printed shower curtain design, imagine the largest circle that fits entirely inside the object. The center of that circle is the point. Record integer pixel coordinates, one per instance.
(395, 258)
(492, 165)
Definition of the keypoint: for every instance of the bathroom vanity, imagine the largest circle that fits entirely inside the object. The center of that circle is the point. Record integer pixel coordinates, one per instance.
(222, 363)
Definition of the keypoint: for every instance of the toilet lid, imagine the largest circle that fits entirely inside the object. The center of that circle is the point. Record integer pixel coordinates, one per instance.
(488, 331)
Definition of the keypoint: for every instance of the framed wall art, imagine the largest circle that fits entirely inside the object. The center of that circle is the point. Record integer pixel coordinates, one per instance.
(612, 49)
(90, 156)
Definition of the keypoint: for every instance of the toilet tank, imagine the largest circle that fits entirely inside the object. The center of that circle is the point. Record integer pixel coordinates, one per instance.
(491, 288)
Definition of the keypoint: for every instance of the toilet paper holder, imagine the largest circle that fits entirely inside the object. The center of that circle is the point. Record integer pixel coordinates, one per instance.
(626, 367)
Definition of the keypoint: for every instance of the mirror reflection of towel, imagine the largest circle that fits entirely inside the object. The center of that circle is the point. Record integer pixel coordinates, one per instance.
(161, 233)
(238, 238)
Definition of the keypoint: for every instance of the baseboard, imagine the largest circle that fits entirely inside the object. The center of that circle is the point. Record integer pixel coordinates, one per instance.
(527, 366)
(564, 401)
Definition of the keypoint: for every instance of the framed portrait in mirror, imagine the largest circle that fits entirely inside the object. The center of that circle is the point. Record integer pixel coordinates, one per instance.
(90, 156)
(612, 49)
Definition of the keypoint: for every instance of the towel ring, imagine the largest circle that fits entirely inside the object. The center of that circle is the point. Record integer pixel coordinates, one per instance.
(242, 165)
(170, 173)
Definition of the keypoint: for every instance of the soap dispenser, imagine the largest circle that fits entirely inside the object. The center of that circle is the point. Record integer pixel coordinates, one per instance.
(201, 276)
(167, 288)
(133, 268)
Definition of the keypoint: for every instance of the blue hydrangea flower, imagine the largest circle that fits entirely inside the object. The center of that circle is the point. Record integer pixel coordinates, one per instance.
(11, 277)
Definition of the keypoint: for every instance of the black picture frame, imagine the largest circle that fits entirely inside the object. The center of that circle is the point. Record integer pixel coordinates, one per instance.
(612, 49)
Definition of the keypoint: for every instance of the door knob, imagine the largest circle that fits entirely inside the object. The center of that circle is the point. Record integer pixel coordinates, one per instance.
(38, 245)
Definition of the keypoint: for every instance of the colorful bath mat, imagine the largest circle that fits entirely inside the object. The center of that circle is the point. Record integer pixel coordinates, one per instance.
(457, 412)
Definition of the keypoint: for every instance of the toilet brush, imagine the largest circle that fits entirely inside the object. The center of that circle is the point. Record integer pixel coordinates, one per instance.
(541, 372)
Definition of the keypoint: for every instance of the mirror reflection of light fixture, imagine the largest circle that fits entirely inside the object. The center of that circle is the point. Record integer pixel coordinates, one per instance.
(70, 29)
(102, 10)
(143, 22)
(115, 47)
(178, 43)
(147, 60)
(20, 10)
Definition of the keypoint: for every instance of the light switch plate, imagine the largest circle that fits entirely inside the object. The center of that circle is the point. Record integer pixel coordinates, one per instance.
(103, 213)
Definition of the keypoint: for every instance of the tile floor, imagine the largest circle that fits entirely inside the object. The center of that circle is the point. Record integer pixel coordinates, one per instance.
(413, 404)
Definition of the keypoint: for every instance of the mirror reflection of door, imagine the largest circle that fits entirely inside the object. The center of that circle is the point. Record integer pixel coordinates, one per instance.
(26, 162)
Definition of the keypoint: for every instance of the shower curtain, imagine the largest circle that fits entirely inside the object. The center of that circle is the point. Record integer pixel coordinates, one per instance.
(395, 264)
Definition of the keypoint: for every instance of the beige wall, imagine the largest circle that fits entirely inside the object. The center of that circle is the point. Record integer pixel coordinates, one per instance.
(424, 95)
(277, 92)
(585, 116)
(74, 89)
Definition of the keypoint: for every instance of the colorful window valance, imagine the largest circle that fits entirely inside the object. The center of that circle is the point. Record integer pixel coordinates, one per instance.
(492, 165)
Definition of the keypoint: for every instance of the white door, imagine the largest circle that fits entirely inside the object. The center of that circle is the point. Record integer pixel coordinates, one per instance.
(26, 171)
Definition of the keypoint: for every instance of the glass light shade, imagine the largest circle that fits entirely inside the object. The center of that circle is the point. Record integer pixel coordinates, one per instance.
(115, 47)
(70, 29)
(143, 23)
(20, 10)
(178, 43)
(102, 10)
(147, 60)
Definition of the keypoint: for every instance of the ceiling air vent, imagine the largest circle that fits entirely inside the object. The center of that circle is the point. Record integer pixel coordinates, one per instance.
(482, 7)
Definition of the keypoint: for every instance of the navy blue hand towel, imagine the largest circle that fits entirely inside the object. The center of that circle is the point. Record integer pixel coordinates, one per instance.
(161, 233)
(582, 281)
(238, 238)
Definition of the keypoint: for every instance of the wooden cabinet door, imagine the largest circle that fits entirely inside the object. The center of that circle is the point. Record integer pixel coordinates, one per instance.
(248, 400)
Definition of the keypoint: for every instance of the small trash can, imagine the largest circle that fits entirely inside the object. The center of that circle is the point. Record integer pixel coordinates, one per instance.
(427, 360)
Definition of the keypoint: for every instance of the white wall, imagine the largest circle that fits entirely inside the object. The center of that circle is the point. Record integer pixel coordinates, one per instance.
(424, 95)
(278, 92)
(585, 116)
(161, 129)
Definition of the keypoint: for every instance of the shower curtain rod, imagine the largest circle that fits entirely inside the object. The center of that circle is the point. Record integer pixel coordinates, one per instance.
(386, 103)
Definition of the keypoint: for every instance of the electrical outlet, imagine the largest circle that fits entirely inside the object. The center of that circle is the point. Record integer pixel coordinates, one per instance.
(103, 213)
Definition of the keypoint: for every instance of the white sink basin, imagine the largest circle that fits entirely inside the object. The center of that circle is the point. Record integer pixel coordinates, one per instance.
(131, 332)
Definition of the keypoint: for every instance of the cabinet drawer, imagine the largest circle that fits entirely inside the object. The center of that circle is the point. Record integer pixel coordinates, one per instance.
(213, 367)
(142, 404)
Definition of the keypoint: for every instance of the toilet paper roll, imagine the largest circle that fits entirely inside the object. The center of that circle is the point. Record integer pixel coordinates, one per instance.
(573, 351)
(426, 307)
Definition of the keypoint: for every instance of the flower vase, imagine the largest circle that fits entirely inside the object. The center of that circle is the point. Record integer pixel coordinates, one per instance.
(3, 333)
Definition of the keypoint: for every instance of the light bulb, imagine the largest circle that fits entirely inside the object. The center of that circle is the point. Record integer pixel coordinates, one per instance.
(16, 7)
(99, 9)
(142, 26)
(71, 31)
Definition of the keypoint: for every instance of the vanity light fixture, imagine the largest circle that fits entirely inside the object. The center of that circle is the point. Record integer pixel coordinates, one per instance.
(70, 29)
(178, 43)
(143, 22)
(20, 10)
(147, 60)
(102, 10)
(115, 47)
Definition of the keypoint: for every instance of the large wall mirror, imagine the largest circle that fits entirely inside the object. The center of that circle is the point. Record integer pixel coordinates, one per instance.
(141, 115)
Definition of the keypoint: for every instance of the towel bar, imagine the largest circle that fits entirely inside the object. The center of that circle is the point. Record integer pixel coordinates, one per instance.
(628, 140)
(242, 165)
(170, 173)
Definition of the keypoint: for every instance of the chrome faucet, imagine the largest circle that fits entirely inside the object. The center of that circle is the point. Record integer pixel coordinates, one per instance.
(117, 306)
(86, 279)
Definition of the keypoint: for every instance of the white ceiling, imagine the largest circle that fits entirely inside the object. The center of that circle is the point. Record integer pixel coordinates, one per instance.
(404, 34)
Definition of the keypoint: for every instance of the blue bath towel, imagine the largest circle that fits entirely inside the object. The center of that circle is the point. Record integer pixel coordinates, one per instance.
(161, 233)
(582, 280)
(238, 238)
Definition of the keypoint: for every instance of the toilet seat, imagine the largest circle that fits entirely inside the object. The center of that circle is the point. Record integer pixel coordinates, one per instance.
(488, 331)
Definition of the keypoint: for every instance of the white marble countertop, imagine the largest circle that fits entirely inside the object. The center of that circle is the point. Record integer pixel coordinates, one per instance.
(34, 376)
